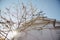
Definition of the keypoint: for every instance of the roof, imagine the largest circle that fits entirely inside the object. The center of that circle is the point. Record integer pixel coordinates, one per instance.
(42, 20)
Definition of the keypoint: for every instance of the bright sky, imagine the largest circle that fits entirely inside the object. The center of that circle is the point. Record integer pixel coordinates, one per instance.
(50, 7)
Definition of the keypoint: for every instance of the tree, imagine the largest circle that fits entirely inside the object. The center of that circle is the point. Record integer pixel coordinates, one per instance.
(19, 20)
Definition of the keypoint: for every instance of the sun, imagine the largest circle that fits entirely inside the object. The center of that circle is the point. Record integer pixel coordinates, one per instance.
(12, 34)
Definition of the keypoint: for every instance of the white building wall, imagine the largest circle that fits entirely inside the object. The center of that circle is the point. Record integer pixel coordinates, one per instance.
(45, 34)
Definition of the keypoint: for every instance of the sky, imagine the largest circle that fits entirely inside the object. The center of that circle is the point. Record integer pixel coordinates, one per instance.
(50, 7)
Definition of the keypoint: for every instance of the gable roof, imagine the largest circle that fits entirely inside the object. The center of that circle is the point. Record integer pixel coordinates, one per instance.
(42, 20)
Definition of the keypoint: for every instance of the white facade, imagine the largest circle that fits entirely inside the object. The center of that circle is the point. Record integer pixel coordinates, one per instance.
(45, 34)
